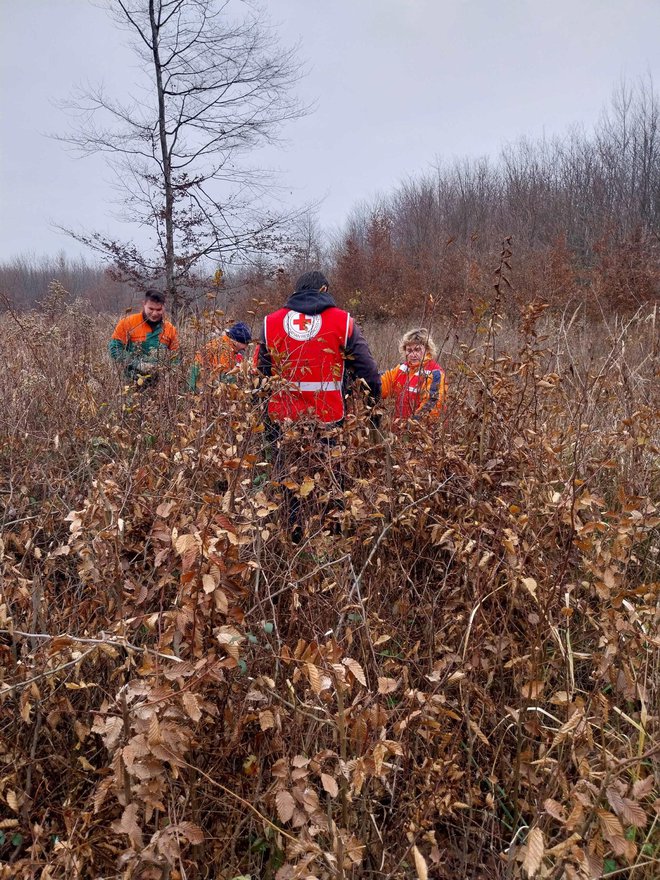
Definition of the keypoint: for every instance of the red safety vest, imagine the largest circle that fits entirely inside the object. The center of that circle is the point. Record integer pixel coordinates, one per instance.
(307, 352)
(412, 387)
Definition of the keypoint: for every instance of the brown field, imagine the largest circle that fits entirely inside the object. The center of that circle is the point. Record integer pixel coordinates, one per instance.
(455, 674)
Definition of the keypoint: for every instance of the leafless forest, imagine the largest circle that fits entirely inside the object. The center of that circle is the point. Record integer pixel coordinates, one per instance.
(582, 213)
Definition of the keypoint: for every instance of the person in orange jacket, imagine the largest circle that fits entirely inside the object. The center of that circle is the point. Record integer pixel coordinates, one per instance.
(418, 383)
(221, 357)
(142, 341)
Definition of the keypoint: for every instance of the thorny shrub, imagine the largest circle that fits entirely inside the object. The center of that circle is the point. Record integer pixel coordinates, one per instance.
(454, 674)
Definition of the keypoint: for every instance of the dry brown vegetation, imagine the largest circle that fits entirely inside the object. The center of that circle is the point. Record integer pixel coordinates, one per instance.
(463, 683)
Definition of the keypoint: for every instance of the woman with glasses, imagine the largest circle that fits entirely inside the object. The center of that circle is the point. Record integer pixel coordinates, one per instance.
(418, 383)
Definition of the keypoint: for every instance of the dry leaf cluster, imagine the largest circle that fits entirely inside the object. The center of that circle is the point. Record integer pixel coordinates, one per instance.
(455, 674)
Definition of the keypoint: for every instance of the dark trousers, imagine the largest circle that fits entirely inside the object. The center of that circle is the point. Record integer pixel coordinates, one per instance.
(302, 451)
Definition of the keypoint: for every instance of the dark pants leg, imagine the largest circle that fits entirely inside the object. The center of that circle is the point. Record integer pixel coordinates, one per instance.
(309, 450)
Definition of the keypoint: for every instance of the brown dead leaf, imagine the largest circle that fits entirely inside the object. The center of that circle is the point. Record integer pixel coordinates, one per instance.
(329, 783)
(128, 825)
(101, 793)
(191, 706)
(230, 638)
(612, 831)
(629, 811)
(643, 787)
(285, 805)
(555, 809)
(532, 690)
(193, 833)
(387, 685)
(355, 669)
(220, 600)
(530, 585)
(420, 864)
(187, 548)
(595, 862)
(567, 728)
(164, 509)
(314, 676)
(534, 850)
(474, 727)
(560, 849)
(154, 736)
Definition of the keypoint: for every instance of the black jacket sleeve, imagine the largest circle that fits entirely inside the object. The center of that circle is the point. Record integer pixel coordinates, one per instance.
(360, 361)
(264, 360)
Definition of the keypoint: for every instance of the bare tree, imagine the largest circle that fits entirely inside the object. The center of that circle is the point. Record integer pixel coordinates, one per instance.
(214, 87)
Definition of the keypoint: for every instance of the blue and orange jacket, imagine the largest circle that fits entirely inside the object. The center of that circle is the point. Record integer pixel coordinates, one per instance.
(417, 391)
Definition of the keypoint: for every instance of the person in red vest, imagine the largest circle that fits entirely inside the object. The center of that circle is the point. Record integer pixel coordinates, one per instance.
(418, 383)
(308, 348)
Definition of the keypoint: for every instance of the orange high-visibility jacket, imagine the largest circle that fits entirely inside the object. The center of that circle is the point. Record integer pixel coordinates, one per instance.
(417, 391)
(217, 361)
(218, 356)
(136, 335)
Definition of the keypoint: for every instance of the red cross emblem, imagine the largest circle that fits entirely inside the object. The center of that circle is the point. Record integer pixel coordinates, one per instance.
(302, 322)
(301, 327)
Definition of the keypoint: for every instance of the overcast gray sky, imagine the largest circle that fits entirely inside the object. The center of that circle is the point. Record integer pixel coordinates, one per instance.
(396, 83)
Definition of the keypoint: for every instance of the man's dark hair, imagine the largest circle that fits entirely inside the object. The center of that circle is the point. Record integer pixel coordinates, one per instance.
(312, 281)
(155, 295)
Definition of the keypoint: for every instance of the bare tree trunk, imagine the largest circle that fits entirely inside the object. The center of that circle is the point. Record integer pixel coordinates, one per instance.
(167, 164)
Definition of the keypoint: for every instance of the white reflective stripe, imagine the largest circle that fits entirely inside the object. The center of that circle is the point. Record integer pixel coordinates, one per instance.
(318, 386)
(348, 324)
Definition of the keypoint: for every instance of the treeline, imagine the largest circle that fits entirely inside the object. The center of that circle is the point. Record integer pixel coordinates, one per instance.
(573, 220)
(582, 213)
(25, 282)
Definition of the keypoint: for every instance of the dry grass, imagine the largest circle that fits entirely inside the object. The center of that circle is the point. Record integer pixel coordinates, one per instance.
(463, 681)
